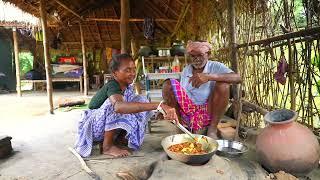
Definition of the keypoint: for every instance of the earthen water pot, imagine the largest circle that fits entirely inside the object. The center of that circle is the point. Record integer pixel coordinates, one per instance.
(177, 49)
(145, 51)
(287, 145)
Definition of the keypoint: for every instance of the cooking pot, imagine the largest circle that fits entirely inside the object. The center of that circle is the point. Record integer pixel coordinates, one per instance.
(189, 158)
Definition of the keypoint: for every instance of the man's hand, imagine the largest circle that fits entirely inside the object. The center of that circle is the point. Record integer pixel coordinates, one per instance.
(198, 79)
(170, 113)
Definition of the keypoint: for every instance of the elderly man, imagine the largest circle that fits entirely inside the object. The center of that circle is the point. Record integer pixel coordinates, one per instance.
(201, 97)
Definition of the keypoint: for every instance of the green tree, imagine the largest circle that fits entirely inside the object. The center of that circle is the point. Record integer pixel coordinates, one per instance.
(26, 62)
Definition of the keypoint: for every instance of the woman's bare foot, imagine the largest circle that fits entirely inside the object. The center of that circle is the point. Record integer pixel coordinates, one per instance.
(122, 141)
(115, 151)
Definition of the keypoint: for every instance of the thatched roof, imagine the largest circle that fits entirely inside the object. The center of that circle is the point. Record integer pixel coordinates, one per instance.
(100, 18)
(11, 14)
(182, 19)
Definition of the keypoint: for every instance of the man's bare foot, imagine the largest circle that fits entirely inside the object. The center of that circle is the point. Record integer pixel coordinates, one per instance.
(115, 151)
(212, 132)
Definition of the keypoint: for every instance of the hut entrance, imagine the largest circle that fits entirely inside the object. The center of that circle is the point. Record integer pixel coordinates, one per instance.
(7, 74)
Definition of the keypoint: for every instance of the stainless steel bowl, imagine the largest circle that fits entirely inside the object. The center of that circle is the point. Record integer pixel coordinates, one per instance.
(231, 148)
(189, 159)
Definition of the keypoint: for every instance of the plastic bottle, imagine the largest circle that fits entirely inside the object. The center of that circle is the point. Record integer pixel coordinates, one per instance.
(176, 64)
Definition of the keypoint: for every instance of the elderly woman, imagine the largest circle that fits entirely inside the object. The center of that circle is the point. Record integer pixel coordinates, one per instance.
(116, 113)
(201, 97)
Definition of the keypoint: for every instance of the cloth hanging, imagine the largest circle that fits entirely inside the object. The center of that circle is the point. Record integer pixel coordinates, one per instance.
(39, 36)
(149, 28)
(27, 32)
(56, 43)
(282, 69)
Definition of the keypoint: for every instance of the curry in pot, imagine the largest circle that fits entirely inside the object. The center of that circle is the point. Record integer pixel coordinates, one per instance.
(190, 148)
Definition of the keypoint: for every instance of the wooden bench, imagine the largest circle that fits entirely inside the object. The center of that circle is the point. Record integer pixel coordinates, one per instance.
(56, 79)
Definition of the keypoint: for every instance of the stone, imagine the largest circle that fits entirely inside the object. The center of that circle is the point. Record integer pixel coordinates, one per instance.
(5, 146)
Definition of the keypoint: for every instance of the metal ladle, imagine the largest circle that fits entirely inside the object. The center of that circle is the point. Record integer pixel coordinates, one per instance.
(185, 130)
(182, 128)
(205, 145)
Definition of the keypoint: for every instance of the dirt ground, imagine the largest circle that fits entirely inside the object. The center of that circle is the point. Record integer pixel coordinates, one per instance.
(41, 140)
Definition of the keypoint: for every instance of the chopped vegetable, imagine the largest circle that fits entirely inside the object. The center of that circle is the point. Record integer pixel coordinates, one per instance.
(187, 148)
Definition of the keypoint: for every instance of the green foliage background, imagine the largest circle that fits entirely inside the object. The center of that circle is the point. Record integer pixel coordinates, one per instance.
(26, 62)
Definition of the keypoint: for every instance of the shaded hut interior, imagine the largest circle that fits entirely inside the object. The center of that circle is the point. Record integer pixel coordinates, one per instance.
(265, 33)
(273, 44)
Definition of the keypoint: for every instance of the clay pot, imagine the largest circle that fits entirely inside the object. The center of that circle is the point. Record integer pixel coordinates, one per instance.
(145, 51)
(287, 145)
(177, 49)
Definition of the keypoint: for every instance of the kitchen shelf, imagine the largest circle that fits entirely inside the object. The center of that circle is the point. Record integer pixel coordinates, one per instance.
(157, 77)
(164, 58)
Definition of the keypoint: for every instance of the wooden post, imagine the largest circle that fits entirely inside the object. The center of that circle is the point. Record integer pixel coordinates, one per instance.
(84, 62)
(43, 16)
(16, 60)
(194, 16)
(234, 63)
(124, 25)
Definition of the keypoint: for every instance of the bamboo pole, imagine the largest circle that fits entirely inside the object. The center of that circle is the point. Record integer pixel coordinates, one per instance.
(124, 25)
(43, 16)
(134, 48)
(68, 9)
(302, 39)
(255, 107)
(130, 20)
(308, 45)
(84, 62)
(234, 62)
(291, 65)
(16, 60)
(305, 32)
(182, 15)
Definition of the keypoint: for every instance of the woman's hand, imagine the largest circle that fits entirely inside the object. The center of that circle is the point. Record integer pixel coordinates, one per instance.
(170, 113)
(198, 79)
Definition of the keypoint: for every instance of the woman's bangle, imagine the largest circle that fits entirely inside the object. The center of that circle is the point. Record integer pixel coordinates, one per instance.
(159, 108)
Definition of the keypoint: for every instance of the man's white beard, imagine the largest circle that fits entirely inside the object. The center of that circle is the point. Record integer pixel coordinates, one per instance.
(196, 66)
